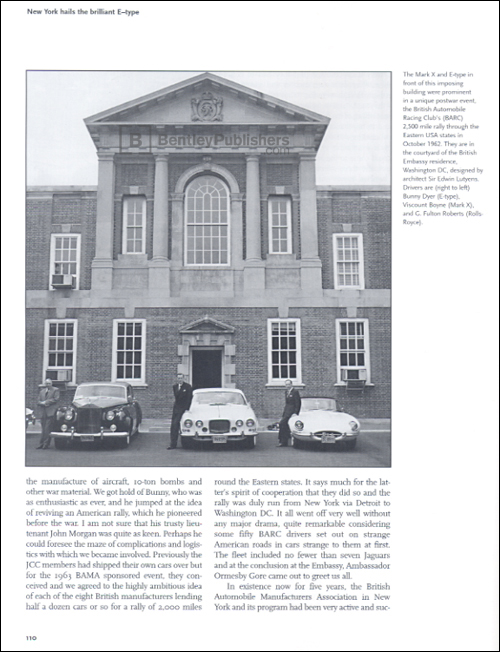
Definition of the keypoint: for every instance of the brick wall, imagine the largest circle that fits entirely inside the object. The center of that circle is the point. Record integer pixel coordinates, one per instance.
(35, 320)
(38, 229)
(367, 213)
(94, 354)
(57, 213)
(319, 363)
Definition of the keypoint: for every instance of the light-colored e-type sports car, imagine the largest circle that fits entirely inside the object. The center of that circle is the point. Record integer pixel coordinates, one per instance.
(220, 416)
(320, 421)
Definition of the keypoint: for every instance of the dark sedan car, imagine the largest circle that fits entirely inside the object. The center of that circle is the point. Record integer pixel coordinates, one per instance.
(99, 411)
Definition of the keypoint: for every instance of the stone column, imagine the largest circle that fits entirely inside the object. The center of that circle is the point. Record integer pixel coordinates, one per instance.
(102, 265)
(254, 273)
(253, 209)
(308, 209)
(177, 261)
(159, 266)
(236, 200)
(310, 262)
(160, 223)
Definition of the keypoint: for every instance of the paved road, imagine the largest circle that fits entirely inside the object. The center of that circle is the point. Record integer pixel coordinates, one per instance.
(149, 449)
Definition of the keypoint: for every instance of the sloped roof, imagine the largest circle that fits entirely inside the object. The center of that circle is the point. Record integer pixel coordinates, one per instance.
(163, 106)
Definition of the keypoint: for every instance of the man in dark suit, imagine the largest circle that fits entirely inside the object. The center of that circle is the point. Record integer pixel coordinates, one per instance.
(47, 400)
(183, 393)
(292, 406)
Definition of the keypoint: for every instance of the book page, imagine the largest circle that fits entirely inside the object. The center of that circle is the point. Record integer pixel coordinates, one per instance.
(387, 538)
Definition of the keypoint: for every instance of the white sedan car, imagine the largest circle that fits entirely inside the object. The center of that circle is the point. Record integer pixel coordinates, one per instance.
(320, 421)
(219, 415)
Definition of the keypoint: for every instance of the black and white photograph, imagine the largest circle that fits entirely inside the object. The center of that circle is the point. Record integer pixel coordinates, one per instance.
(208, 269)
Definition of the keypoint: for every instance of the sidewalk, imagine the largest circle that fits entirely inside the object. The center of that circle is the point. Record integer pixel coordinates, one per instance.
(163, 425)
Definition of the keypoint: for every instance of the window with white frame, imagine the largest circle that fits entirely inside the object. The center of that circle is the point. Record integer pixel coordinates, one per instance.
(284, 352)
(129, 350)
(134, 225)
(207, 222)
(353, 352)
(348, 261)
(60, 350)
(64, 260)
(280, 225)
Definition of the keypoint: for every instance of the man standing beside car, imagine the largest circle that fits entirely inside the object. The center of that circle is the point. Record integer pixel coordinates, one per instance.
(292, 406)
(47, 400)
(183, 393)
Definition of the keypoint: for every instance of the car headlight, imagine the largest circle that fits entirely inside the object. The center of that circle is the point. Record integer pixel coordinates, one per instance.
(199, 423)
(354, 425)
(188, 423)
(69, 414)
(250, 423)
(239, 423)
(110, 415)
(299, 425)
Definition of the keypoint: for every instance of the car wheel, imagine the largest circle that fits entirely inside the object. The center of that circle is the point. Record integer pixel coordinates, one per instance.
(186, 442)
(60, 444)
(350, 444)
(249, 442)
(296, 443)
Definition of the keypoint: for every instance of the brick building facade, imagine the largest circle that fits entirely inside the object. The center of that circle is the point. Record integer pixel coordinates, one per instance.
(207, 248)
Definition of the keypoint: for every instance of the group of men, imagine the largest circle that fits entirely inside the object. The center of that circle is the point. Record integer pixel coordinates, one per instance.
(183, 394)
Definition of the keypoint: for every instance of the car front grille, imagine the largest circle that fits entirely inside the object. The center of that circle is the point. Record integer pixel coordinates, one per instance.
(218, 426)
(89, 420)
(328, 432)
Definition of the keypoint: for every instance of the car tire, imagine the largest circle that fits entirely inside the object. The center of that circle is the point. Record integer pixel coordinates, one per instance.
(186, 442)
(250, 442)
(296, 443)
(349, 444)
(60, 444)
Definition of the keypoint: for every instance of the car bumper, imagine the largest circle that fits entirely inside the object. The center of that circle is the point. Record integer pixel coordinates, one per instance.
(73, 435)
(218, 438)
(325, 438)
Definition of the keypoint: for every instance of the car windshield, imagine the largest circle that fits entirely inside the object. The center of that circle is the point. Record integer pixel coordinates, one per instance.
(109, 391)
(309, 404)
(219, 398)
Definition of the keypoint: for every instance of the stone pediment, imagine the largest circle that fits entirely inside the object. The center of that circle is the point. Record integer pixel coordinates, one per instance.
(206, 99)
(206, 325)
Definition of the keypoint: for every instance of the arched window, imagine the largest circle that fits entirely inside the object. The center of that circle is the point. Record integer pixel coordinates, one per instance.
(207, 222)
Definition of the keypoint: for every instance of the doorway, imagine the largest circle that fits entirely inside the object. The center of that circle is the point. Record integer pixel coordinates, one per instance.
(206, 367)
